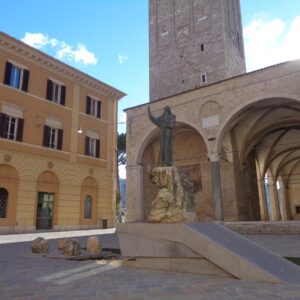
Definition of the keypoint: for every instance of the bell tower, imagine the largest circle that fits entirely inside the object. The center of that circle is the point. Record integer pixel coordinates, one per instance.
(193, 43)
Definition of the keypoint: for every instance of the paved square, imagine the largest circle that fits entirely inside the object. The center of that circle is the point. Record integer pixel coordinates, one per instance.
(28, 276)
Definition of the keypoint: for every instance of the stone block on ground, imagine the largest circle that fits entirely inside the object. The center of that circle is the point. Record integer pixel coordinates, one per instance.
(71, 247)
(39, 245)
(94, 245)
(61, 243)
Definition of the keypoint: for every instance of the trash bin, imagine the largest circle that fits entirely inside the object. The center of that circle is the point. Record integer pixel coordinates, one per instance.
(104, 223)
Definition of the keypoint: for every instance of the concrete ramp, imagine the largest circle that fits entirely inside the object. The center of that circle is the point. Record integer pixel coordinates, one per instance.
(217, 250)
(237, 255)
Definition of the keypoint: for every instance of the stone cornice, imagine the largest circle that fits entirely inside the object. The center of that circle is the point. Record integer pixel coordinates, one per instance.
(37, 57)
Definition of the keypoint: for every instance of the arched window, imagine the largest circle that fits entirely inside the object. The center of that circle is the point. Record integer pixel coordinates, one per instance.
(88, 207)
(3, 202)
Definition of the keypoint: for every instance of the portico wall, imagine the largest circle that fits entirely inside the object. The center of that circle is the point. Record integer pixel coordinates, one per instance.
(209, 111)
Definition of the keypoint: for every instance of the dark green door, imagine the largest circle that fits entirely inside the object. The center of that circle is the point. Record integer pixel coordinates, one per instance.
(44, 210)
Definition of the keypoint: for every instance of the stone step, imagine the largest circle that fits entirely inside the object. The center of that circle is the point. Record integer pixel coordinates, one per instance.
(269, 227)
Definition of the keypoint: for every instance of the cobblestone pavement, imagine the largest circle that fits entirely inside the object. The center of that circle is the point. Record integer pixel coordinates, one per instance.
(28, 276)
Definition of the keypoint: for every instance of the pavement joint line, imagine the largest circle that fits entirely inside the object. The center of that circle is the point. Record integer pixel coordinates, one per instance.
(67, 272)
(89, 273)
(103, 266)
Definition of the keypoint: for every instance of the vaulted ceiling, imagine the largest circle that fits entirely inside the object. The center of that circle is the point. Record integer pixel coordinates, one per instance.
(271, 131)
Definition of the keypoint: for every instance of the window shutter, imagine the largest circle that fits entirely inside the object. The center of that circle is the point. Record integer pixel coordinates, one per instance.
(25, 80)
(88, 105)
(98, 148)
(20, 130)
(59, 139)
(63, 95)
(87, 150)
(49, 92)
(46, 136)
(99, 109)
(7, 73)
(2, 124)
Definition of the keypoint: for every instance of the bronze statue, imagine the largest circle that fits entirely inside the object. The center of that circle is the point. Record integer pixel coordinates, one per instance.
(166, 122)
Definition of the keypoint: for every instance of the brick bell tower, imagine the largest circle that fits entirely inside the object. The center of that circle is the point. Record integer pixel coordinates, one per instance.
(193, 43)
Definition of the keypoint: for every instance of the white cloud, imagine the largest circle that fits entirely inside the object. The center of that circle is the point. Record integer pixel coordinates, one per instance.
(78, 54)
(271, 42)
(122, 58)
(38, 40)
(62, 50)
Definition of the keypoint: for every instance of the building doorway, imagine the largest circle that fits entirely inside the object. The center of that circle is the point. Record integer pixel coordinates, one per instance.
(44, 211)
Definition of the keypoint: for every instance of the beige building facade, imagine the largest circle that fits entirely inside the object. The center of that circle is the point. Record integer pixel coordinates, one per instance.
(58, 130)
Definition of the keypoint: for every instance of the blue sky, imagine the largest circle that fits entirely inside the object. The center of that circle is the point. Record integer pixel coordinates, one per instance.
(108, 39)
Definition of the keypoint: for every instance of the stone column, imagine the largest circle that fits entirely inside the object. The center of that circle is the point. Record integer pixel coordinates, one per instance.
(264, 213)
(286, 215)
(216, 186)
(134, 194)
(274, 201)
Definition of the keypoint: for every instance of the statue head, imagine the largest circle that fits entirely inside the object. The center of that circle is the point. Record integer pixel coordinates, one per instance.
(167, 109)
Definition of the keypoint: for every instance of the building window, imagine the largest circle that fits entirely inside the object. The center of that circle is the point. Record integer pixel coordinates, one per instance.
(11, 127)
(298, 209)
(203, 78)
(88, 207)
(3, 202)
(56, 92)
(52, 137)
(16, 77)
(92, 147)
(93, 107)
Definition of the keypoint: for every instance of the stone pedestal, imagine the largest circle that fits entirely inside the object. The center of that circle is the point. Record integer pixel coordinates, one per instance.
(174, 200)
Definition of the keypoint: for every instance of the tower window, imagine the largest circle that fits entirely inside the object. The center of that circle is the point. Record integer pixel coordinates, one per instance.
(202, 47)
(203, 78)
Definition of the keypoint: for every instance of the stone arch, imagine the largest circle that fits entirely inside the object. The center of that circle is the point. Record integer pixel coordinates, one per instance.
(89, 191)
(189, 155)
(264, 134)
(244, 107)
(47, 200)
(153, 134)
(9, 180)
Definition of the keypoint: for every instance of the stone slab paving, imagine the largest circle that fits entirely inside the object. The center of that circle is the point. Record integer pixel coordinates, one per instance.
(27, 276)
